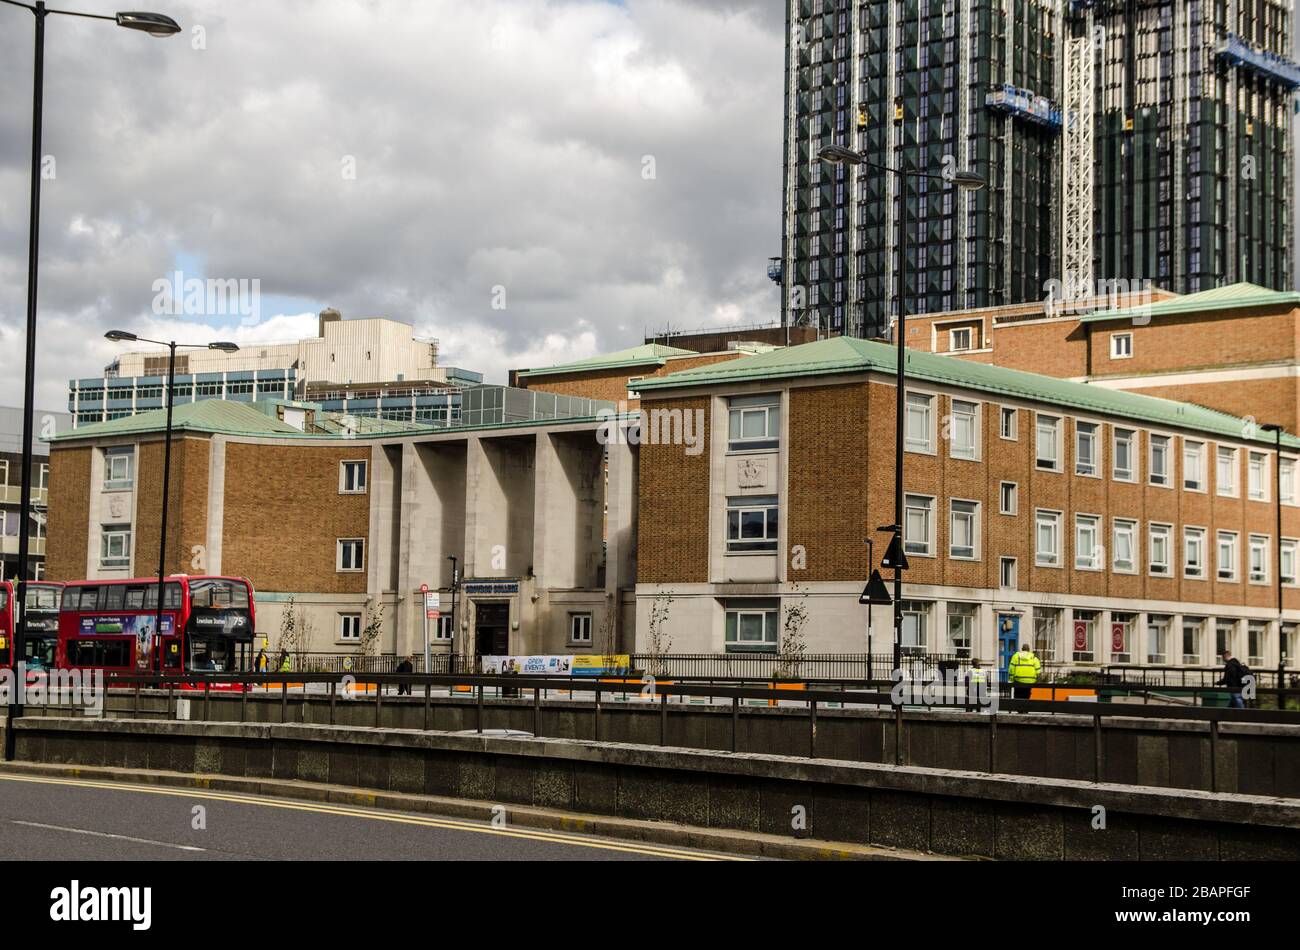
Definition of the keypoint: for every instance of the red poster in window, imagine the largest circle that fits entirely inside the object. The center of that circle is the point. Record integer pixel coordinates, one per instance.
(1117, 637)
(1081, 635)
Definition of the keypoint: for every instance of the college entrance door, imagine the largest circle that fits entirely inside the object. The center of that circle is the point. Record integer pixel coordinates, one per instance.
(1008, 642)
(491, 629)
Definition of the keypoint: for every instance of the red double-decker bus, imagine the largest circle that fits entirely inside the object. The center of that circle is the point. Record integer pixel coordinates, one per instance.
(42, 623)
(207, 625)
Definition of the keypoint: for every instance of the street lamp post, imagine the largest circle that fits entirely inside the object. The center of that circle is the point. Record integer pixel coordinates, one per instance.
(895, 555)
(154, 24)
(122, 336)
(455, 633)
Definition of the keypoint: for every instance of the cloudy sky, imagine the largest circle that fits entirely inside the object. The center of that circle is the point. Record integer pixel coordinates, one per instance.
(601, 168)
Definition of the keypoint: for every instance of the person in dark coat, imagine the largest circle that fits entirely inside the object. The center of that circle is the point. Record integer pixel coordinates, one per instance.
(406, 666)
(1234, 677)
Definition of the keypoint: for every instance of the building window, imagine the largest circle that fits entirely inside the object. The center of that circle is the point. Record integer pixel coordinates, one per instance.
(1193, 465)
(964, 533)
(580, 629)
(1257, 476)
(916, 617)
(1123, 455)
(1125, 544)
(1225, 471)
(1087, 547)
(1287, 645)
(351, 554)
(1193, 552)
(1085, 448)
(1286, 478)
(961, 627)
(752, 523)
(443, 627)
(1121, 346)
(1259, 545)
(1224, 634)
(352, 478)
(1047, 449)
(964, 442)
(1047, 631)
(1007, 573)
(918, 525)
(1158, 556)
(1192, 628)
(1047, 546)
(754, 422)
(119, 468)
(1256, 634)
(1288, 556)
(1157, 639)
(1007, 424)
(1083, 638)
(1227, 555)
(919, 417)
(959, 338)
(751, 626)
(1159, 474)
(115, 546)
(349, 626)
(1121, 637)
(1008, 500)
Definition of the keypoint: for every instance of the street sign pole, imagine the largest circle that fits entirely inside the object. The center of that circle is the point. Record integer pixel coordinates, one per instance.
(424, 609)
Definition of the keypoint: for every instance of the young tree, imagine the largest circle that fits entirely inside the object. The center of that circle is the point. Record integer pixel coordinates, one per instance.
(659, 642)
(368, 642)
(793, 645)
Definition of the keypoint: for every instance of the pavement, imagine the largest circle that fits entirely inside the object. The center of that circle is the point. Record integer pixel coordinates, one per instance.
(75, 819)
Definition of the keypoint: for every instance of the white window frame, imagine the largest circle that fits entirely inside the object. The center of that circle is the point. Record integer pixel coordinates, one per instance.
(580, 628)
(1013, 496)
(1196, 627)
(1128, 526)
(1008, 567)
(1231, 539)
(1119, 352)
(1258, 544)
(1133, 442)
(971, 412)
(1230, 490)
(1047, 517)
(1286, 479)
(1157, 631)
(1257, 490)
(1194, 533)
(913, 404)
(969, 616)
(743, 504)
(1009, 433)
(1095, 560)
(443, 629)
(1155, 567)
(1057, 425)
(127, 456)
(738, 407)
(918, 612)
(1155, 439)
(1290, 551)
(771, 638)
(349, 629)
(1195, 448)
(353, 467)
(108, 535)
(952, 339)
(909, 541)
(338, 555)
(1093, 430)
(975, 534)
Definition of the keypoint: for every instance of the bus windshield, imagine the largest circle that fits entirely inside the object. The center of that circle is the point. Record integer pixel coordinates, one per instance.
(218, 593)
(42, 598)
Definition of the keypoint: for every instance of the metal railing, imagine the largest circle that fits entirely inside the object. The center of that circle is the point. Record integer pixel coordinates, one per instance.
(809, 667)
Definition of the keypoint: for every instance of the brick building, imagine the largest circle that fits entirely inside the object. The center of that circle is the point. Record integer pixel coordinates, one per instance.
(1107, 526)
(1233, 348)
(347, 518)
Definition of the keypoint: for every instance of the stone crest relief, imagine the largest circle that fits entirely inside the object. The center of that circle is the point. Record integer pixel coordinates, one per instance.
(752, 473)
(117, 507)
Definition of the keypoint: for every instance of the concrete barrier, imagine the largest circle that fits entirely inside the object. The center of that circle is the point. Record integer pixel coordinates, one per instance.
(943, 811)
(1248, 758)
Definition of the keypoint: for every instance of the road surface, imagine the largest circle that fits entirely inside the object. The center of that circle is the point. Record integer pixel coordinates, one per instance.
(69, 819)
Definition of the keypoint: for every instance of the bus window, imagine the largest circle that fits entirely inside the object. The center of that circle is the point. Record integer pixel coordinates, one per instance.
(113, 597)
(42, 598)
(115, 652)
(221, 594)
(134, 598)
(172, 601)
(89, 599)
(4, 598)
(210, 656)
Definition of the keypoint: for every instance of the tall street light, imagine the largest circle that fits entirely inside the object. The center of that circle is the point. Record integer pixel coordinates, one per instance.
(122, 336)
(155, 24)
(895, 556)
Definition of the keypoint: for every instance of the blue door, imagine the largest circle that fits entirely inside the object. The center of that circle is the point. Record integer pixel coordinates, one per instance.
(1008, 642)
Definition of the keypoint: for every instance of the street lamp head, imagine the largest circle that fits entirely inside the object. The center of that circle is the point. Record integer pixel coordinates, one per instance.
(967, 181)
(1271, 427)
(839, 155)
(119, 336)
(224, 347)
(155, 24)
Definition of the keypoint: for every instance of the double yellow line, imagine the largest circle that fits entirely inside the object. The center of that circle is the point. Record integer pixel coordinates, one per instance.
(449, 824)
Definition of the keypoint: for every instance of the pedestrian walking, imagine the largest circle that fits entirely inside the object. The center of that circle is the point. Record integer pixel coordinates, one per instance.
(406, 666)
(1023, 671)
(1234, 677)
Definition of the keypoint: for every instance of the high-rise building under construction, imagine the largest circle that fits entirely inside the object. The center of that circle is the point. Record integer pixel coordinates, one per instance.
(1135, 140)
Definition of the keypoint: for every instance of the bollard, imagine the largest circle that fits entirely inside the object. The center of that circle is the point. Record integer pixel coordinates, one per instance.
(333, 692)
(663, 718)
(812, 729)
(1097, 750)
(735, 720)
(427, 689)
(207, 713)
(537, 712)
(479, 709)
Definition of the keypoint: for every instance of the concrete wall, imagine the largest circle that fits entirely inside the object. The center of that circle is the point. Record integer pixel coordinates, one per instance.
(946, 812)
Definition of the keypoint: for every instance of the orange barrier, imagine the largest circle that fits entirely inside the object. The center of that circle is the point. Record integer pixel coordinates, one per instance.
(799, 686)
(1061, 693)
